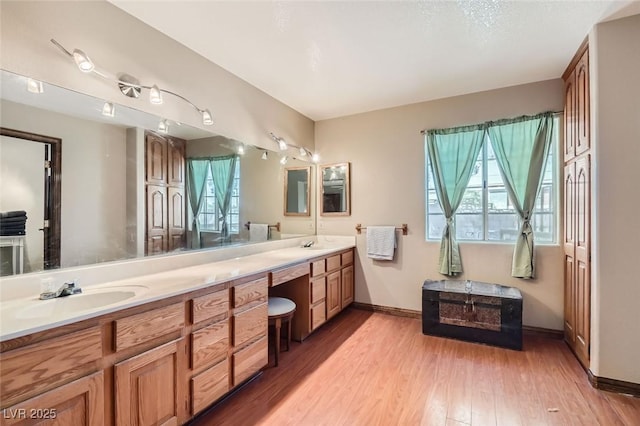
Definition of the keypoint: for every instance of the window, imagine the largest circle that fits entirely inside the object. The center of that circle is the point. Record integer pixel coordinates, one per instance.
(209, 218)
(486, 213)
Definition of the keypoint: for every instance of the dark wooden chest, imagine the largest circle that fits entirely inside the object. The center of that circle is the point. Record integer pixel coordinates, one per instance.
(473, 311)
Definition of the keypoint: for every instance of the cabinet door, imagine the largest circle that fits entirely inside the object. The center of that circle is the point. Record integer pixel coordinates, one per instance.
(347, 286)
(582, 105)
(156, 159)
(570, 117)
(148, 387)
(176, 218)
(334, 295)
(582, 259)
(569, 253)
(175, 162)
(157, 226)
(79, 403)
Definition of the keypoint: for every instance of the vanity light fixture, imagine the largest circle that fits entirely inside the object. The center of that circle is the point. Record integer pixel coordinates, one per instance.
(34, 86)
(315, 158)
(108, 109)
(303, 152)
(283, 160)
(241, 149)
(264, 155)
(163, 126)
(155, 95)
(129, 85)
(82, 61)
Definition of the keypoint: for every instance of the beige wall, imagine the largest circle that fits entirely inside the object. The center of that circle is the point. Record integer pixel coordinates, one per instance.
(386, 151)
(93, 181)
(117, 42)
(615, 66)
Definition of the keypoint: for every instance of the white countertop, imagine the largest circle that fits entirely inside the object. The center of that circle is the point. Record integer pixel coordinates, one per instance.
(27, 315)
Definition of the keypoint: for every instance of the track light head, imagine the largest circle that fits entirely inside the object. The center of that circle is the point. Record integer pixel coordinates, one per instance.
(155, 95)
(207, 119)
(82, 61)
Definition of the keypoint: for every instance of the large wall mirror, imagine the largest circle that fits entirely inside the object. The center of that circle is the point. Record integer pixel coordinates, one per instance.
(128, 190)
(296, 191)
(335, 197)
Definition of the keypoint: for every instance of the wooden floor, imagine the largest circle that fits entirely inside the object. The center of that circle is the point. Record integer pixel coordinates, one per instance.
(366, 368)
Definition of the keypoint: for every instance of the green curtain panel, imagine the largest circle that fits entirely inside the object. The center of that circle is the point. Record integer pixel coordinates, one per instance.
(521, 146)
(197, 170)
(222, 170)
(452, 153)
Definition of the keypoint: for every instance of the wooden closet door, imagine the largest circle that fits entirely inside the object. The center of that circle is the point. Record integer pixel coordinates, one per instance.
(156, 159)
(582, 106)
(569, 253)
(157, 227)
(570, 117)
(176, 162)
(583, 258)
(177, 218)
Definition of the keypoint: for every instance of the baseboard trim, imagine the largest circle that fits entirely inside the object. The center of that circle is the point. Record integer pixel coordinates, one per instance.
(613, 385)
(543, 332)
(399, 312)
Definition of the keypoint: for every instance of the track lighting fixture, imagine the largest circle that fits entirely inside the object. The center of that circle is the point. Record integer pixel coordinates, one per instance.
(285, 146)
(264, 155)
(241, 149)
(34, 86)
(283, 160)
(108, 109)
(155, 95)
(129, 85)
(163, 126)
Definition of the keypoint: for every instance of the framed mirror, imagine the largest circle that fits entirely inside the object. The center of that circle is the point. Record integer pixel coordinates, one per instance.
(335, 196)
(296, 191)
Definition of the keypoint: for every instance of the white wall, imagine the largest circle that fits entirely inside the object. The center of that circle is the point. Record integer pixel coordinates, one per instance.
(22, 188)
(615, 66)
(117, 42)
(93, 181)
(386, 151)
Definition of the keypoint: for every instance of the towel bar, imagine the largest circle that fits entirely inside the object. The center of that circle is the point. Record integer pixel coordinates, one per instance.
(404, 228)
(277, 226)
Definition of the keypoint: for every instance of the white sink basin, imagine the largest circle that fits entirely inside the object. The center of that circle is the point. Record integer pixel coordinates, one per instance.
(90, 299)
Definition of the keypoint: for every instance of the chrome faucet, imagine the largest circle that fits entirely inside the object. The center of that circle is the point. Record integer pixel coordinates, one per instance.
(67, 289)
(307, 244)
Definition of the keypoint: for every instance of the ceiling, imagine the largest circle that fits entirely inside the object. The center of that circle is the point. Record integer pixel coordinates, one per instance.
(328, 59)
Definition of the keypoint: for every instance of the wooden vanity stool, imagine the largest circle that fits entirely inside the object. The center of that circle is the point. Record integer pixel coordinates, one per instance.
(281, 310)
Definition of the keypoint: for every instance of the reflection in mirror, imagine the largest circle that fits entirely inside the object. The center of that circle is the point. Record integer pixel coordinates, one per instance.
(125, 188)
(296, 191)
(335, 199)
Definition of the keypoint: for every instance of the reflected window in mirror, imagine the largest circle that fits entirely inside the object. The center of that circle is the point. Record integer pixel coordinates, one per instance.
(296, 191)
(335, 197)
(211, 215)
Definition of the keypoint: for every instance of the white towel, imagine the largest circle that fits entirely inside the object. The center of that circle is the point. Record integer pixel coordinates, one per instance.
(381, 242)
(258, 232)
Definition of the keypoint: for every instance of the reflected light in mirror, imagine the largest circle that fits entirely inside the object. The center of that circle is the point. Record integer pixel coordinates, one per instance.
(34, 86)
(108, 110)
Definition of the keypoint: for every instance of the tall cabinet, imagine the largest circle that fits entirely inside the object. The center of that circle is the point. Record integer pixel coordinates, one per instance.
(165, 193)
(577, 206)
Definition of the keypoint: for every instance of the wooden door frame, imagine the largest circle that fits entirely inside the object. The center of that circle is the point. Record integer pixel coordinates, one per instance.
(52, 210)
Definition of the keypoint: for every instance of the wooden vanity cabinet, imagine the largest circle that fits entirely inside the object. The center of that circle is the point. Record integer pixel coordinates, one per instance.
(148, 387)
(249, 353)
(78, 403)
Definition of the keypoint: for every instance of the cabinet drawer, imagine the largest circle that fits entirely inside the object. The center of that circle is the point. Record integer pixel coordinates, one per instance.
(249, 360)
(318, 268)
(318, 290)
(251, 291)
(140, 328)
(250, 324)
(210, 305)
(35, 368)
(347, 258)
(333, 263)
(209, 386)
(209, 344)
(287, 274)
(318, 315)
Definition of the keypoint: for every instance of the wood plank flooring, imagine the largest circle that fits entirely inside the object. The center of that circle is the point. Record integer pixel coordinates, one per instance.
(365, 368)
